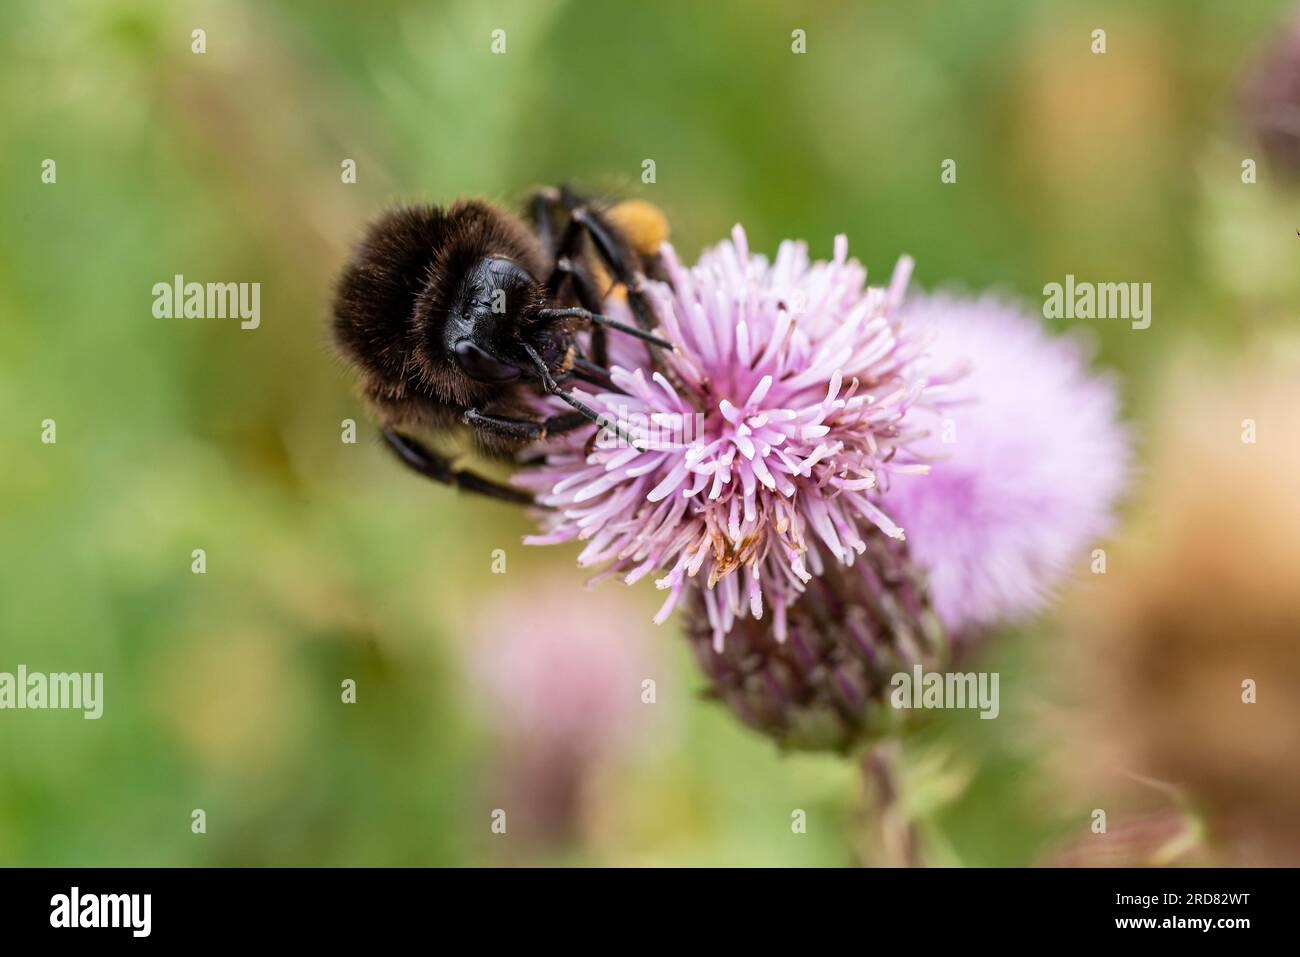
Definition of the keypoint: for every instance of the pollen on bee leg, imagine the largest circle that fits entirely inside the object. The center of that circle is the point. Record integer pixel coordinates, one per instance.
(643, 223)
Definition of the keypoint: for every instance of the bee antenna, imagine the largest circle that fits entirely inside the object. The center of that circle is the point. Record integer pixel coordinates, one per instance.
(598, 319)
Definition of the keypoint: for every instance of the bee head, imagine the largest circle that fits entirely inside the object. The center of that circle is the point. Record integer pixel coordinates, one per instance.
(444, 302)
(485, 320)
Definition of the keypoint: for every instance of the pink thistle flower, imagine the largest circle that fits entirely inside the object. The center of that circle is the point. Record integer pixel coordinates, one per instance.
(1027, 459)
(767, 435)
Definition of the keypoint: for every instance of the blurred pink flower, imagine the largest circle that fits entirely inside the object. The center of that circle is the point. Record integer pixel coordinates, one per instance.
(1024, 475)
(800, 377)
(1271, 97)
(558, 680)
(559, 673)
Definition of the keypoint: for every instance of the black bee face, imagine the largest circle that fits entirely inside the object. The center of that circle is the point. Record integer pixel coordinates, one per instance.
(481, 331)
(493, 318)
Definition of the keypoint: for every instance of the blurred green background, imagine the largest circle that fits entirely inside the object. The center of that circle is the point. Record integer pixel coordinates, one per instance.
(326, 562)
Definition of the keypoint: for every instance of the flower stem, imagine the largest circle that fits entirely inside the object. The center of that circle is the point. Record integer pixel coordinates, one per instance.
(890, 837)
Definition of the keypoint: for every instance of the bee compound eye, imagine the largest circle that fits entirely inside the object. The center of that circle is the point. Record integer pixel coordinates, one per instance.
(481, 365)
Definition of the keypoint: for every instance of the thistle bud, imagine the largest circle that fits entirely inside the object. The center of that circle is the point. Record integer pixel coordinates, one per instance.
(826, 686)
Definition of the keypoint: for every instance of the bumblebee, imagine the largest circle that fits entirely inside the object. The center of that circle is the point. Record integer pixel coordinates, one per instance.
(462, 316)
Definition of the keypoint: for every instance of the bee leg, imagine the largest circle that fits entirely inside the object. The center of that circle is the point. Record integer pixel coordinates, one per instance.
(587, 296)
(430, 464)
(544, 205)
(553, 388)
(625, 269)
(592, 373)
(567, 254)
(525, 429)
(598, 320)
